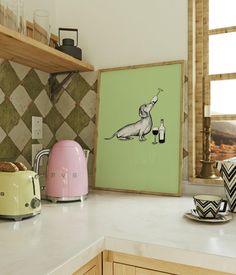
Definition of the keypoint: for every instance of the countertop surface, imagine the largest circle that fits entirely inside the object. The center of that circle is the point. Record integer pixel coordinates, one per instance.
(67, 235)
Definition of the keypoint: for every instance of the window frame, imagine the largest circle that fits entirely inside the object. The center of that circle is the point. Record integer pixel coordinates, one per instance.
(199, 82)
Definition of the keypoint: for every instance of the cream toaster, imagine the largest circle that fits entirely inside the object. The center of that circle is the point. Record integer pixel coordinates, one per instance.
(19, 195)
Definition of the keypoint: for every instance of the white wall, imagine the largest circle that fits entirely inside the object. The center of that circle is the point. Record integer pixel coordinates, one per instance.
(121, 32)
(125, 32)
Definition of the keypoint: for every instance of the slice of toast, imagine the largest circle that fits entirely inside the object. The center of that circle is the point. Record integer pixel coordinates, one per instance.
(20, 166)
(8, 167)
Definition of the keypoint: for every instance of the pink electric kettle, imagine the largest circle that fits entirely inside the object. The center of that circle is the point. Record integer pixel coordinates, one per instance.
(67, 175)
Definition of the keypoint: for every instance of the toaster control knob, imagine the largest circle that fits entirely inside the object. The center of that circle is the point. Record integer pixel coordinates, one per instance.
(35, 203)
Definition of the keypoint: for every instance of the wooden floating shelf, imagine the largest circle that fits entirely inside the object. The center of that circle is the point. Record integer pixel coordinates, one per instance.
(27, 51)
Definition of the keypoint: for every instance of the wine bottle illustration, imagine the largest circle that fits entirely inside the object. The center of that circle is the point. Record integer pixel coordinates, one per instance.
(162, 132)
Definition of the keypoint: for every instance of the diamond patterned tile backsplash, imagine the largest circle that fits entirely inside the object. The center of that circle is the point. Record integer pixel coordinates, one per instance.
(8, 78)
(24, 93)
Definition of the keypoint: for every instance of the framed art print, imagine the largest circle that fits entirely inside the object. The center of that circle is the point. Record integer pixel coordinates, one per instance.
(139, 129)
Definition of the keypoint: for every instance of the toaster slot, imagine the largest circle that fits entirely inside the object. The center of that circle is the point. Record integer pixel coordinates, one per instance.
(33, 185)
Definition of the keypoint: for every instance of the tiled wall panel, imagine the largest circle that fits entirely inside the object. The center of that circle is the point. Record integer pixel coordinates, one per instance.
(24, 93)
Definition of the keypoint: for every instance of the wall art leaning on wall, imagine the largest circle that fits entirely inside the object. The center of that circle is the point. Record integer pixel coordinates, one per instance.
(138, 145)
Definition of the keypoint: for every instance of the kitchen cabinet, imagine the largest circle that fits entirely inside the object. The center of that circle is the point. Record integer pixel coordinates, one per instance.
(143, 271)
(29, 52)
(93, 267)
(123, 269)
(115, 263)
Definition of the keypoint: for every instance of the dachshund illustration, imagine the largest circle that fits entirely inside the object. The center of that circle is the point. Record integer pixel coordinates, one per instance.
(140, 128)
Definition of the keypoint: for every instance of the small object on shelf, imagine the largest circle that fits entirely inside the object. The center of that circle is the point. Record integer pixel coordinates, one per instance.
(29, 29)
(68, 46)
(53, 40)
(21, 17)
(29, 32)
(12, 15)
(41, 26)
(2, 12)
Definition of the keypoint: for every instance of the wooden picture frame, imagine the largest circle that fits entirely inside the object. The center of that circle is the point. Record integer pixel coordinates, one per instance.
(131, 102)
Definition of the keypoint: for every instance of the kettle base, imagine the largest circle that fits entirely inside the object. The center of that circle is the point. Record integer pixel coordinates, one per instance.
(66, 199)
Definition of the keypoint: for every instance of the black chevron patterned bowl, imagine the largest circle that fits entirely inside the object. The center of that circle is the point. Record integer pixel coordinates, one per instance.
(209, 206)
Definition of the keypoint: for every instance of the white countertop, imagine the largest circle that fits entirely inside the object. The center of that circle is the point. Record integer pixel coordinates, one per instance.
(67, 235)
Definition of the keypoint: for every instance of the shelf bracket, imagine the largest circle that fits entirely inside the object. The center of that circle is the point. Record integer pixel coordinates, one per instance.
(54, 86)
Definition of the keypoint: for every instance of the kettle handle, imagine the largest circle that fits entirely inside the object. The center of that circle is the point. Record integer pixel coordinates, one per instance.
(67, 29)
(86, 153)
(38, 157)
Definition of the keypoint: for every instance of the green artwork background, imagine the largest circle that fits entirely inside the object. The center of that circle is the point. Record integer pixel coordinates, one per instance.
(131, 164)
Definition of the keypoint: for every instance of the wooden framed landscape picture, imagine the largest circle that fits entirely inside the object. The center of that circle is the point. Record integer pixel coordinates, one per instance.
(138, 145)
